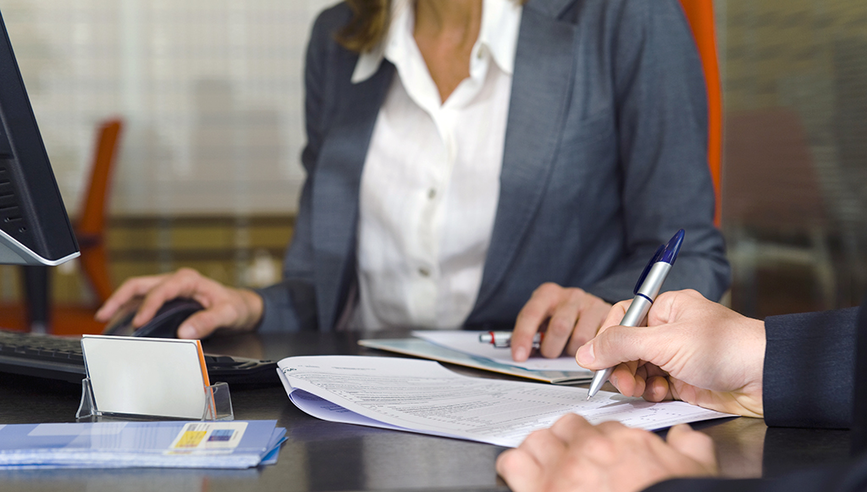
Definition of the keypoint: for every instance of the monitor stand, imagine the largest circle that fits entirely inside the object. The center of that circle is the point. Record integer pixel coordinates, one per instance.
(37, 298)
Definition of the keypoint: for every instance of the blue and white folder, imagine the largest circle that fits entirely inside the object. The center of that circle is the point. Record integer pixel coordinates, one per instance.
(168, 444)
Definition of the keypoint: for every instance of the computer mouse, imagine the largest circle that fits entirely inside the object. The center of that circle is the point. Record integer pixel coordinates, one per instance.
(164, 324)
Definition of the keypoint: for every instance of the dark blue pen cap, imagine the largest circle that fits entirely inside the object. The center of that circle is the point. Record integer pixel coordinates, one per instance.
(669, 253)
(666, 252)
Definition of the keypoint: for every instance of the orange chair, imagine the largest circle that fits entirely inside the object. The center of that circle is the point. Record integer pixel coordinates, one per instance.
(89, 230)
(90, 227)
(699, 13)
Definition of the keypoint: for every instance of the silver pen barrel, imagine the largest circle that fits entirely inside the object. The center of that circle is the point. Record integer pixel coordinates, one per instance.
(633, 317)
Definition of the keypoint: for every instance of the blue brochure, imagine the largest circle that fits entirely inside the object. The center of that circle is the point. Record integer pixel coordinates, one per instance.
(170, 444)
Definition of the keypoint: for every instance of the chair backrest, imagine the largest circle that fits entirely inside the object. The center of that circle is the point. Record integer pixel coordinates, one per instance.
(91, 217)
(771, 181)
(699, 13)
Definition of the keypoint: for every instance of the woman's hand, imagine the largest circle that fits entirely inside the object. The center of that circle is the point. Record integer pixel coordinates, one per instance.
(571, 315)
(224, 307)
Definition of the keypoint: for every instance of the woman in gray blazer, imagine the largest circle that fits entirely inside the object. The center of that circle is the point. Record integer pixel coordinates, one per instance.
(603, 158)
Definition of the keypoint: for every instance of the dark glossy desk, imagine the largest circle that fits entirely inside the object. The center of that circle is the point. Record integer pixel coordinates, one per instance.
(326, 456)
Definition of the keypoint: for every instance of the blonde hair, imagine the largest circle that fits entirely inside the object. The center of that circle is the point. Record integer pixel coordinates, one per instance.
(369, 24)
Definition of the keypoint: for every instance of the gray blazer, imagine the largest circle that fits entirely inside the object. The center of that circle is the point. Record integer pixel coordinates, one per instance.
(605, 159)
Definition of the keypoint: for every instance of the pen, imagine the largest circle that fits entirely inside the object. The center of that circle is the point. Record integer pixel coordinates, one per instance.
(503, 339)
(646, 289)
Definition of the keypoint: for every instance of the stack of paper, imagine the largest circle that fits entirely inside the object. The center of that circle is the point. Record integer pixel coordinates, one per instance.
(169, 444)
(422, 396)
(462, 347)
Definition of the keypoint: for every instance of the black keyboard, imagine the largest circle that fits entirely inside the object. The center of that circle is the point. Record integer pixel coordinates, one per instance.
(55, 357)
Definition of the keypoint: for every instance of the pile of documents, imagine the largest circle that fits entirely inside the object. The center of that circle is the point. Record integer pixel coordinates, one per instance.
(166, 444)
(425, 397)
(462, 347)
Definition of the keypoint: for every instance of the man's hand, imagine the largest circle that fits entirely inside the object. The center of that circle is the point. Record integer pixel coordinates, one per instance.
(575, 456)
(693, 350)
(572, 317)
(225, 307)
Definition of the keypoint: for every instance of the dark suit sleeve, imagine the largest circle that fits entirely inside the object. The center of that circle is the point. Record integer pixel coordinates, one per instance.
(291, 304)
(849, 477)
(662, 130)
(809, 369)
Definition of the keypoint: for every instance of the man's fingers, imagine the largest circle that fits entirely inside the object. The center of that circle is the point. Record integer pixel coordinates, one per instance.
(696, 445)
(520, 470)
(624, 379)
(657, 389)
(523, 467)
(544, 445)
(572, 427)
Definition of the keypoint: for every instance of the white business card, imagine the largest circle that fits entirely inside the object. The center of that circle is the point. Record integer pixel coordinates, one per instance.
(164, 377)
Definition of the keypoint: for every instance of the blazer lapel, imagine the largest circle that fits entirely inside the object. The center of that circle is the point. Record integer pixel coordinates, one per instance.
(541, 88)
(336, 186)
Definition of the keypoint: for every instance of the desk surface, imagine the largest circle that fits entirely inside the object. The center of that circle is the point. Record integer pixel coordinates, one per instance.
(327, 456)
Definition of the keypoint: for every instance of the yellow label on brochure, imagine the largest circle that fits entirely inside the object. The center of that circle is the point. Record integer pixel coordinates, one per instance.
(190, 439)
(208, 437)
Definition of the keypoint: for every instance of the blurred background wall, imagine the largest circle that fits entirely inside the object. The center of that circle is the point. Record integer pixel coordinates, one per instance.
(210, 92)
(795, 155)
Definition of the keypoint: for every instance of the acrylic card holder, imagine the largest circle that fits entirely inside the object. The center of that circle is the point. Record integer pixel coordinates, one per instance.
(149, 378)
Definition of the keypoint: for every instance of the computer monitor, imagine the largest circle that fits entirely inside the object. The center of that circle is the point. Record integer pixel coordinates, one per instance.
(34, 227)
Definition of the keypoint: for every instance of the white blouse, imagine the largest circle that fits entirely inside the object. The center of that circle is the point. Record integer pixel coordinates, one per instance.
(430, 184)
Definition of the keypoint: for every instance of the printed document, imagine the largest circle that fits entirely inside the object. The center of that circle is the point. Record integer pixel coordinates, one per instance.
(425, 397)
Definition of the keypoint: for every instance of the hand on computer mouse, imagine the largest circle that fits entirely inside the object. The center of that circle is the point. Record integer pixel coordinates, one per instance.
(224, 307)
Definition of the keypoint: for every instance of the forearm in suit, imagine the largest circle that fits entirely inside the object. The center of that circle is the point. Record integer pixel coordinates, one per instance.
(848, 477)
(809, 369)
(662, 127)
(290, 305)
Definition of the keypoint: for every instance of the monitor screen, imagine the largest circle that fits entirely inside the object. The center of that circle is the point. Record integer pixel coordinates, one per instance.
(34, 227)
